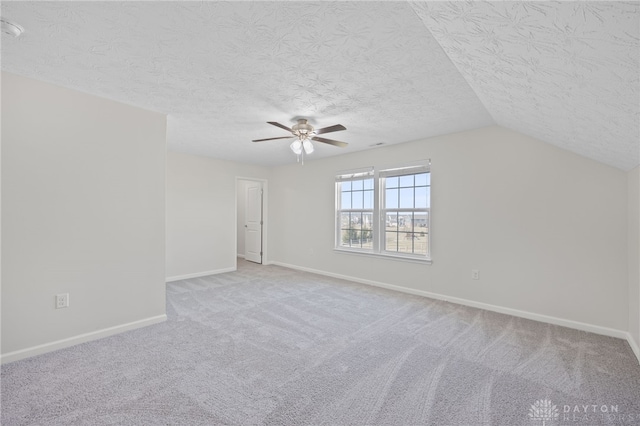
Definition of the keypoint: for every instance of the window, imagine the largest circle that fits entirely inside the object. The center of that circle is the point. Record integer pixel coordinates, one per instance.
(355, 217)
(405, 212)
(384, 212)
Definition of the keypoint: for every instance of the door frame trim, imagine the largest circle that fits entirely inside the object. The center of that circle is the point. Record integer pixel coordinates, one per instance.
(265, 216)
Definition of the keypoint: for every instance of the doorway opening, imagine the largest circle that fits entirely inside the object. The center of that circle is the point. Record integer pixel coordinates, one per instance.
(251, 219)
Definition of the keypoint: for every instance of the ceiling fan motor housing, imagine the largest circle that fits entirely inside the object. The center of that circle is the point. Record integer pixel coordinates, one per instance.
(302, 128)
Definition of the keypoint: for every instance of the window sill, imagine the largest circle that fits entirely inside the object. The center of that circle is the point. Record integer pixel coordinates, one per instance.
(421, 260)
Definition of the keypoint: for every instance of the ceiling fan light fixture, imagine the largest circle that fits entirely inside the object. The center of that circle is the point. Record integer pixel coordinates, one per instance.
(308, 146)
(296, 147)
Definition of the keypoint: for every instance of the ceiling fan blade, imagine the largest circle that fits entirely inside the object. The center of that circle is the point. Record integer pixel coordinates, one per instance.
(282, 126)
(330, 141)
(334, 128)
(272, 139)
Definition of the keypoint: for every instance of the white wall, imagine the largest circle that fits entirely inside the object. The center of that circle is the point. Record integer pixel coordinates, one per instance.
(634, 258)
(201, 214)
(83, 201)
(83, 213)
(545, 227)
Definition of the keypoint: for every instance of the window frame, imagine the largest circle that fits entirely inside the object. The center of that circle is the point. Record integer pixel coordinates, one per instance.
(384, 176)
(380, 177)
(351, 177)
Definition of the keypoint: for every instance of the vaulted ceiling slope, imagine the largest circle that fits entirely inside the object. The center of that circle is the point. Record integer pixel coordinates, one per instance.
(566, 73)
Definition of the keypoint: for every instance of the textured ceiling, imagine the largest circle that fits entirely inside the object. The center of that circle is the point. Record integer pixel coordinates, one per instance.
(566, 73)
(391, 72)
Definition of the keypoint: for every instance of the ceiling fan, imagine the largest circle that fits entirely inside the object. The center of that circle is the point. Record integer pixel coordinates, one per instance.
(304, 134)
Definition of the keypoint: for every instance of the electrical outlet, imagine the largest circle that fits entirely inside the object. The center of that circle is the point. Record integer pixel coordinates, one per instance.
(62, 300)
(475, 274)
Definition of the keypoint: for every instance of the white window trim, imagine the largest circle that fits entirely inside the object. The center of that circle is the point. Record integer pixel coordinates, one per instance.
(352, 175)
(378, 250)
(385, 255)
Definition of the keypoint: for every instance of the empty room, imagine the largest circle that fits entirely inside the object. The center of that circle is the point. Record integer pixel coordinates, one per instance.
(305, 213)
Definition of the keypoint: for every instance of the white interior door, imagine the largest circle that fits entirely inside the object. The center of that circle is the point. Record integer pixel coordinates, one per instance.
(253, 222)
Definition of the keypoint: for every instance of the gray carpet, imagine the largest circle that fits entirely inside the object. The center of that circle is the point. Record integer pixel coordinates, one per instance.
(269, 345)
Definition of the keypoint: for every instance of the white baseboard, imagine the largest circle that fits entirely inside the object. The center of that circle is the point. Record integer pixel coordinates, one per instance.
(199, 274)
(611, 332)
(81, 338)
(635, 346)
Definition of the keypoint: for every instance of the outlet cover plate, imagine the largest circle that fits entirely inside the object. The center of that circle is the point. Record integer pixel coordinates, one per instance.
(62, 300)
